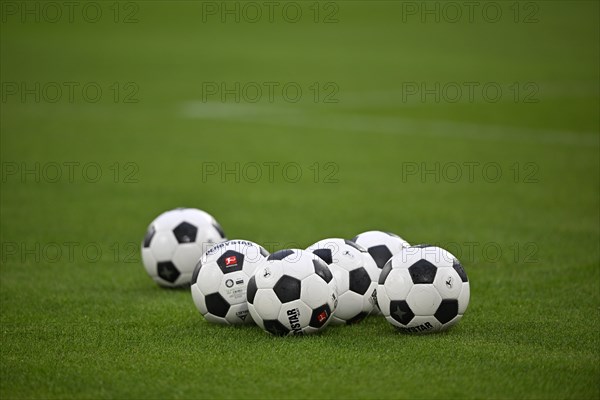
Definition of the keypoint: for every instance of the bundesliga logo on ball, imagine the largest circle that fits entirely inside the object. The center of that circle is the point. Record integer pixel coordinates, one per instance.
(292, 293)
(221, 279)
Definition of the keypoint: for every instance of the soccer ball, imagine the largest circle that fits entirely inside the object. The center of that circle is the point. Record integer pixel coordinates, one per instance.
(292, 293)
(356, 276)
(380, 245)
(221, 278)
(423, 289)
(174, 242)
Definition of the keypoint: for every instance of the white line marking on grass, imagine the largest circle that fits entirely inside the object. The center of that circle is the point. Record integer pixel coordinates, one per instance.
(377, 124)
(214, 110)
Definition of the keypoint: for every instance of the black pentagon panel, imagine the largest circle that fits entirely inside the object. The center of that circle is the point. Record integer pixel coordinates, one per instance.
(422, 272)
(219, 229)
(168, 271)
(196, 272)
(359, 280)
(287, 289)
(275, 327)
(356, 246)
(263, 251)
(460, 270)
(381, 254)
(320, 316)
(324, 254)
(401, 312)
(280, 255)
(357, 318)
(149, 235)
(217, 305)
(447, 310)
(251, 291)
(185, 232)
(387, 268)
(231, 261)
(323, 270)
(422, 246)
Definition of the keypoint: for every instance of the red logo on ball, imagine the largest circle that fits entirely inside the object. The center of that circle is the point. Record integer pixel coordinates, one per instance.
(231, 261)
(322, 317)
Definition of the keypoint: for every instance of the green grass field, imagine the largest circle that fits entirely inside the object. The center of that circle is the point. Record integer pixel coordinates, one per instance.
(81, 319)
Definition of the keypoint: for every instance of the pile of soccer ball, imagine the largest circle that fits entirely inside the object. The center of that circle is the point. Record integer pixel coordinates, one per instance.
(419, 289)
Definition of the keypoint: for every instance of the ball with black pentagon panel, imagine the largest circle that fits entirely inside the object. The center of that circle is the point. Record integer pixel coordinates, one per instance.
(292, 293)
(356, 276)
(174, 242)
(381, 246)
(220, 281)
(423, 289)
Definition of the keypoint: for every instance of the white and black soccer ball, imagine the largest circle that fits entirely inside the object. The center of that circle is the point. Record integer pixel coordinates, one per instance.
(221, 278)
(381, 245)
(292, 293)
(423, 289)
(174, 243)
(356, 276)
